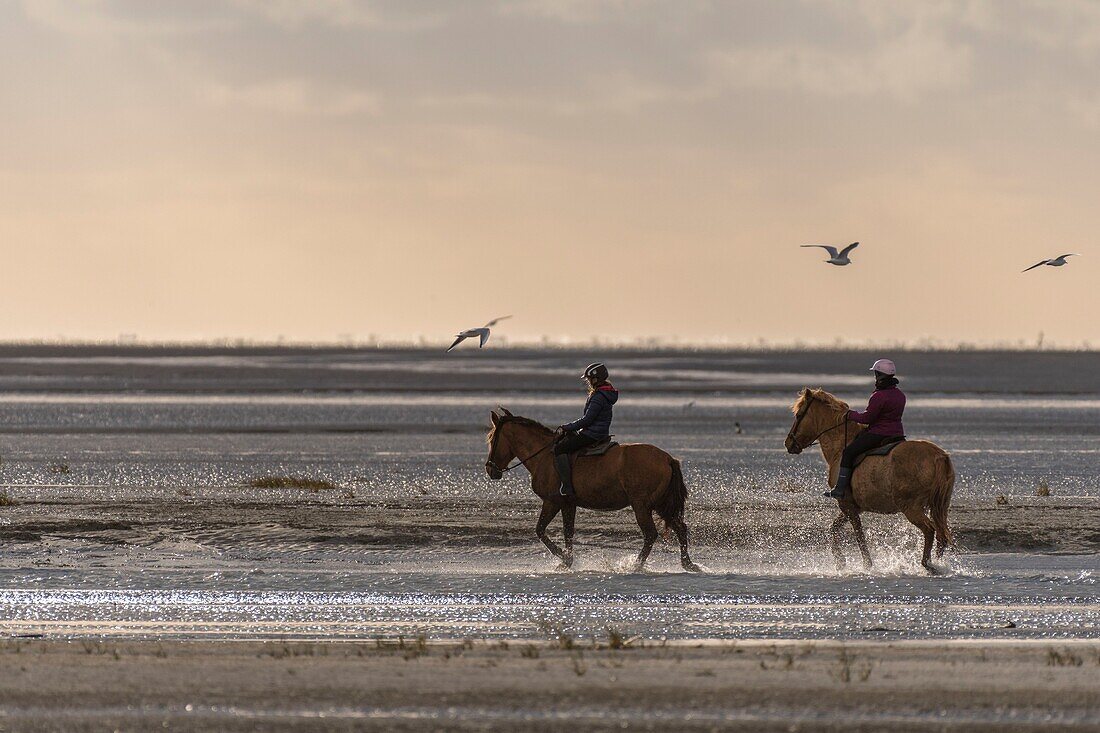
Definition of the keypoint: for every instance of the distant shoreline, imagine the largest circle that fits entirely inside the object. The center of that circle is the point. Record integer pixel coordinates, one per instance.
(244, 347)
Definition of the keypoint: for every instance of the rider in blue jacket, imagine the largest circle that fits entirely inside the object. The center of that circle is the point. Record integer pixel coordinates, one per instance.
(593, 427)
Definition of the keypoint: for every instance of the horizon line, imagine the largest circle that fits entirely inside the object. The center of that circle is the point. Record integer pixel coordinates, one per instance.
(653, 343)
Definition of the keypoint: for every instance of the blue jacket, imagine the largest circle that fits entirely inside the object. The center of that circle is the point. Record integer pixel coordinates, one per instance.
(596, 421)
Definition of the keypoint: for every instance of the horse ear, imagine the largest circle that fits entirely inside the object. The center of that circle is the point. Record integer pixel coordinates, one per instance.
(494, 417)
(506, 412)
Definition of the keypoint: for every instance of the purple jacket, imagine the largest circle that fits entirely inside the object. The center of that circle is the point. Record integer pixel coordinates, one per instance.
(883, 413)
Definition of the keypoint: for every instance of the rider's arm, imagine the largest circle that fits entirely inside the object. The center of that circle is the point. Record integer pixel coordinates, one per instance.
(590, 414)
(868, 416)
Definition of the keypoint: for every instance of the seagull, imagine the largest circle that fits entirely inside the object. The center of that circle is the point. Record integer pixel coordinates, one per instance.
(483, 332)
(836, 258)
(1056, 262)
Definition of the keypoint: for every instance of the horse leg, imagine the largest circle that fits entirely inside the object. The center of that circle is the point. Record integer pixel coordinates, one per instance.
(861, 539)
(644, 515)
(941, 537)
(924, 524)
(549, 511)
(941, 545)
(681, 530)
(834, 533)
(568, 518)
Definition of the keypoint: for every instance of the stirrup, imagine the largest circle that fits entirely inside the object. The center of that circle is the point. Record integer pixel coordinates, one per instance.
(833, 493)
(564, 493)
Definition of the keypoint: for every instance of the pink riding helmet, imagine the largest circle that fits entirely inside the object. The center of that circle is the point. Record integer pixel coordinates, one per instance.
(884, 366)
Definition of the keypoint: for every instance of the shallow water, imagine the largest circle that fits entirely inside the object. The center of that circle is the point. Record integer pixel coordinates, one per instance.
(94, 435)
(1005, 596)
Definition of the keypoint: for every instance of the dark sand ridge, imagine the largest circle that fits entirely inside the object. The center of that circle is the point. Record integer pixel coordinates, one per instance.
(1033, 525)
(412, 685)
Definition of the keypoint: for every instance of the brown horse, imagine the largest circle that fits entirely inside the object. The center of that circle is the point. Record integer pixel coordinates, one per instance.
(639, 476)
(915, 477)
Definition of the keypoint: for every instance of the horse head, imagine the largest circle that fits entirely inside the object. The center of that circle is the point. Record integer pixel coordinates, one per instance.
(815, 413)
(500, 451)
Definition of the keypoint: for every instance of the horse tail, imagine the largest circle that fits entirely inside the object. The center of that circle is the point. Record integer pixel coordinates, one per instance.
(670, 508)
(939, 499)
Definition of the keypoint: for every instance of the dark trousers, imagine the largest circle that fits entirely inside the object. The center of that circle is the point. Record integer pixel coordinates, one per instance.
(861, 444)
(573, 442)
(569, 443)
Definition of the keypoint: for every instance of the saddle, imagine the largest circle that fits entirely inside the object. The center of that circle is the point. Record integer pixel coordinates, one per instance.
(599, 448)
(593, 451)
(882, 450)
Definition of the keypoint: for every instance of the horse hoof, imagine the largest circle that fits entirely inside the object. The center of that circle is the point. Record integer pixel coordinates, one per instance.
(566, 563)
(932, 569)
(692, 567)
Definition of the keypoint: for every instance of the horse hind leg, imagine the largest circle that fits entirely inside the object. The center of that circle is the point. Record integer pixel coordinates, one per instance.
(549, 511)
(568, 521)
(834, 541)
(943, 536)
(924, 523)
(681, 530)
(861, 539)
(941, 544)
(649, 535)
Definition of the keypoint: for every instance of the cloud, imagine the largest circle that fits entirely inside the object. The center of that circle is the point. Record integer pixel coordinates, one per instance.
(343, 14)
(297, 97)
(122, 18)
(103, 18)
(566, 11)
(905, 66)
(292, 13)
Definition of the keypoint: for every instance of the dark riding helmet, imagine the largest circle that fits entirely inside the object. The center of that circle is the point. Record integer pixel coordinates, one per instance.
(596, 372)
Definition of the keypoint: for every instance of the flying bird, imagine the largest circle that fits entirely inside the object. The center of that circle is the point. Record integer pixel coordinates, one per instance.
(836, 258)
(1056, 262)
(483, 332)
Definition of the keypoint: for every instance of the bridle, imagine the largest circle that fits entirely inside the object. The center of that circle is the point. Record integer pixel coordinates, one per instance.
(493, 449)
(798, 421)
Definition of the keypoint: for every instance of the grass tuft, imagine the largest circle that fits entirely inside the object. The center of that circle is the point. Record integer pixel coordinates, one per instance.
(291, 482)
(1043, 489)
(6, 500)
(1063, 658)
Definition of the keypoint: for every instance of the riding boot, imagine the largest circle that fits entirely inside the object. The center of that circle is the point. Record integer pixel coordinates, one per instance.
(843, 482)
(561, 462)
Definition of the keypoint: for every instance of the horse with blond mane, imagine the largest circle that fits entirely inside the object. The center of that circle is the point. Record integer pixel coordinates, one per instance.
(634, 475)
(916, 478)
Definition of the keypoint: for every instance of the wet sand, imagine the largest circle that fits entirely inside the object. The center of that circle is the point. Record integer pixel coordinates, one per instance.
(140, 575)
(416, 686)
(332, 520)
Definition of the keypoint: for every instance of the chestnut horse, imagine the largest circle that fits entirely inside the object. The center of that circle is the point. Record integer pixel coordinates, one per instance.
(636, 475)
(914, 478)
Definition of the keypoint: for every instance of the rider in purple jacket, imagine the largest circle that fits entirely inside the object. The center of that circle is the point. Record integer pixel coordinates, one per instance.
(882, 418)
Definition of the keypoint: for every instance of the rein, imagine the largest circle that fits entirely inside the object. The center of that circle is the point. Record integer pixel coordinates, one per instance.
(522, 462)
(798, 421)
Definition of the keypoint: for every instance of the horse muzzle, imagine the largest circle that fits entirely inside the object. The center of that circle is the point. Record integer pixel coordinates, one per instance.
(792, 446)
(495, 473)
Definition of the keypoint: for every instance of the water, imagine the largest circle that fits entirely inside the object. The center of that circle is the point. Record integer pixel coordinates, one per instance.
(134, 520)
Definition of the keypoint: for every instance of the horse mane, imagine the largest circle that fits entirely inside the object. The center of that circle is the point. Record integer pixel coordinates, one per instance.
(836, 405)
(517, 419)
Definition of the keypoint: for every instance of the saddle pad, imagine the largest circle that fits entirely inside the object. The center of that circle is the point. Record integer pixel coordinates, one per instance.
(880, 451)
(599, 449)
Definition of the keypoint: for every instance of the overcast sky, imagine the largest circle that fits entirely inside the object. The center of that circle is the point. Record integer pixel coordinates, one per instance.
(599, 168)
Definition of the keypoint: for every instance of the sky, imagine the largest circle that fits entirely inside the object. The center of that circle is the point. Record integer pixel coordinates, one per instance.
(601, 169)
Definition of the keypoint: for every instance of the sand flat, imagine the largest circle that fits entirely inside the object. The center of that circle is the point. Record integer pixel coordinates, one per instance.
(413, 685)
